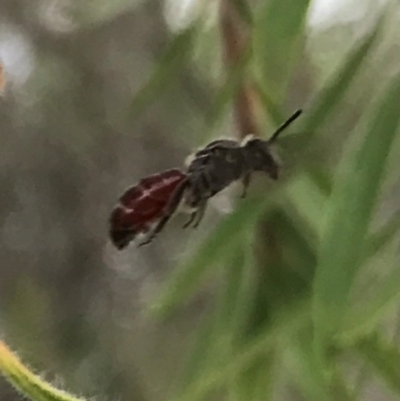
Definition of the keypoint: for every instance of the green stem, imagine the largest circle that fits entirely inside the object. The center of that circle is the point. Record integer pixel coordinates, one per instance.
(28, 383)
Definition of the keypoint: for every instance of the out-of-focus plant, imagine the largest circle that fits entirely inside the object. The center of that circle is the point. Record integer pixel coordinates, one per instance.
(289, 261)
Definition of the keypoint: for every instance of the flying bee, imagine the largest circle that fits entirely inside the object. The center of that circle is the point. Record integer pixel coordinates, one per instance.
(146, 207)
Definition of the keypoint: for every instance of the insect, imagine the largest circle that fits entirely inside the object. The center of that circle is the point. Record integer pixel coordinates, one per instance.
(149, 205)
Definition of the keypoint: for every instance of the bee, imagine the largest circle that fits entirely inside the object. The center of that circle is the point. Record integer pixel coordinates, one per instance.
(146, 207)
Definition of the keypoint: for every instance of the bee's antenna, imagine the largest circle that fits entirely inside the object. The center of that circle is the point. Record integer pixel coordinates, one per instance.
(284, 126)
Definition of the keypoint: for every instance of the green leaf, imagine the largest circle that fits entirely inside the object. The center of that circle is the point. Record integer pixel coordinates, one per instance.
(199, 354)
(321, 176)
(386, 233)
(295, 147)
(245, 298)
(227, 303)
(309, 203)
(215, 339)
(258, 381)
(28, 383)
(310, 379)
(332, 93)
(224, 96)
(167, 68)
(299, 257)
(279, 26)
(261, 345)
(384, 357)
(316, 384)
(270, 107)
(350, 211)
(362, 320)
(212, 251)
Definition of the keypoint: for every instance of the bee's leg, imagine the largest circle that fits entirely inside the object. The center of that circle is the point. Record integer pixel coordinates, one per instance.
(246, 183)
(197, 215)
(168, 212)
(200, 214)
(191, 219)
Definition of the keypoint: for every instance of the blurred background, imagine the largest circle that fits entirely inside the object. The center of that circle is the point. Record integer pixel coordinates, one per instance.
(99, 94)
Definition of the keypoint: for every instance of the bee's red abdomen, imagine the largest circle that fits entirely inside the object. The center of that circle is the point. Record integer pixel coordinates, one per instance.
(142, 205)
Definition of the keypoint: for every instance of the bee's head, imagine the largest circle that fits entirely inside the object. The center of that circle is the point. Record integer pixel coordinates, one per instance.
(258, 151)
(260, 158)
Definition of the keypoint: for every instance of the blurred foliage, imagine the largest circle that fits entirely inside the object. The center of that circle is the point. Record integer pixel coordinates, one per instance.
(294, 294)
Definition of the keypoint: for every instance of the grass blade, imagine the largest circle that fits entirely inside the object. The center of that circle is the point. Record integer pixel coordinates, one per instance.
(270, 108)
(386, 233)
(351, 206)
(278, 28)
(308, 202)
(168, 67)
(331, 95)
(215, 340)
(361, 321)
(223, 239)
(384, 358)
(224, 96)
(200, 354)
(210, 379)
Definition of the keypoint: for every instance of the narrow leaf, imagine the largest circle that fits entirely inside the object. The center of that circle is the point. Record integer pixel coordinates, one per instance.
(309, 203)
(309, 378)
(362, 320)
(279, 26)
(226, 236)
(215, 339)
(26, 382)
(168, 67)
(351, 205)
(331, 95)
(269, 106)
(260, 346)
(386, 233)
(384, 357)
(199, 354)
(225, 95)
